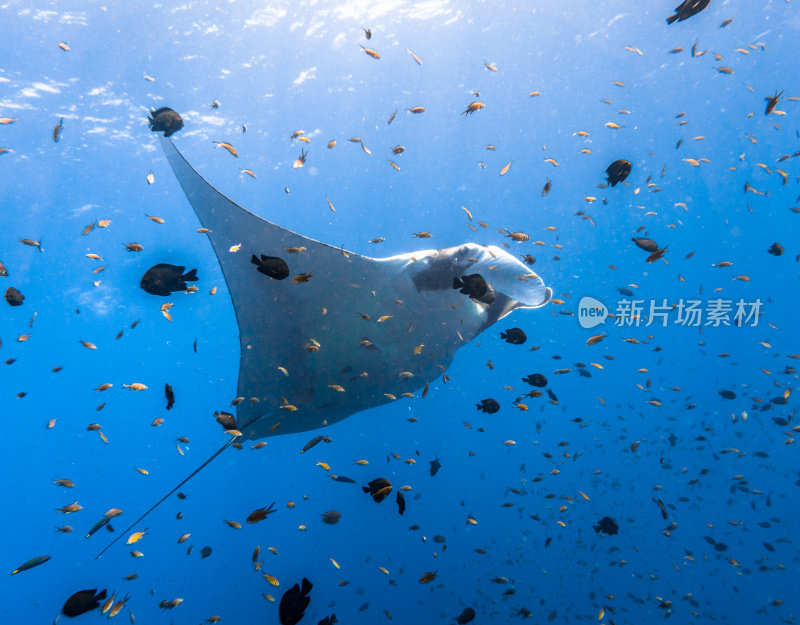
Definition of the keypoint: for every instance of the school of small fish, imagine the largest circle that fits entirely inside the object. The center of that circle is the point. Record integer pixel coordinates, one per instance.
(574, 510)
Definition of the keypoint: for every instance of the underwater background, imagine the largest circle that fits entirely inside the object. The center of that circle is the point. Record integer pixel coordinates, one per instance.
(698, 418)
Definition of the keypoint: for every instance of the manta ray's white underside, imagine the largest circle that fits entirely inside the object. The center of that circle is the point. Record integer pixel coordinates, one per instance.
(357, 324)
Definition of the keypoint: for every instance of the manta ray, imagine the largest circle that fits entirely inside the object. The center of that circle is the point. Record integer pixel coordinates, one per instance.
(325, 333)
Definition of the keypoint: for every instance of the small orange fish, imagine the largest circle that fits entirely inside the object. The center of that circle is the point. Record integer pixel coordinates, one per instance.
(135, 537)
(300, 160)
(136, 386)
(370, 52)
(231, 150)
(472, 107)
(414, 56)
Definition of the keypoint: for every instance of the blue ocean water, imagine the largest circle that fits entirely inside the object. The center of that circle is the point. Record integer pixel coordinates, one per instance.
(648, 423)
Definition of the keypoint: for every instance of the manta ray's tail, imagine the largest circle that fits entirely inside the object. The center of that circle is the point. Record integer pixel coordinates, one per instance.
(165, 497)
(207, 461)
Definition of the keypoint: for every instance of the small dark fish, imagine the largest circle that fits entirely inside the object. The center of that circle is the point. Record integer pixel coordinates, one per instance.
(259, 514)
(294, 603)
(536, 379)
(205, 552)
(625, 291)
(99, 525)
(311, 444)
(57, 130)
(727, 394)
(472, 285)
(656, 255)
(466, 616)
(648, 245)
(618, 171)
(661, 507)
(772, 102)
(546, 188)
(687, 9)
(515, 336)
(551, 395)
(489, 406)
(328, 620)
(401, 502)
(271, 266)
(367, 32)
(528, 259)
(14, 297)
(331, 517)
(170, 395)
(165, 120)
(83, 601)
(169, 604)
(164, 279)
(435, 466)
(606, 525)
(776, 249)
(32, 243)
(378, 489)
(30, 564)
(226, 420)
(343, 478)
